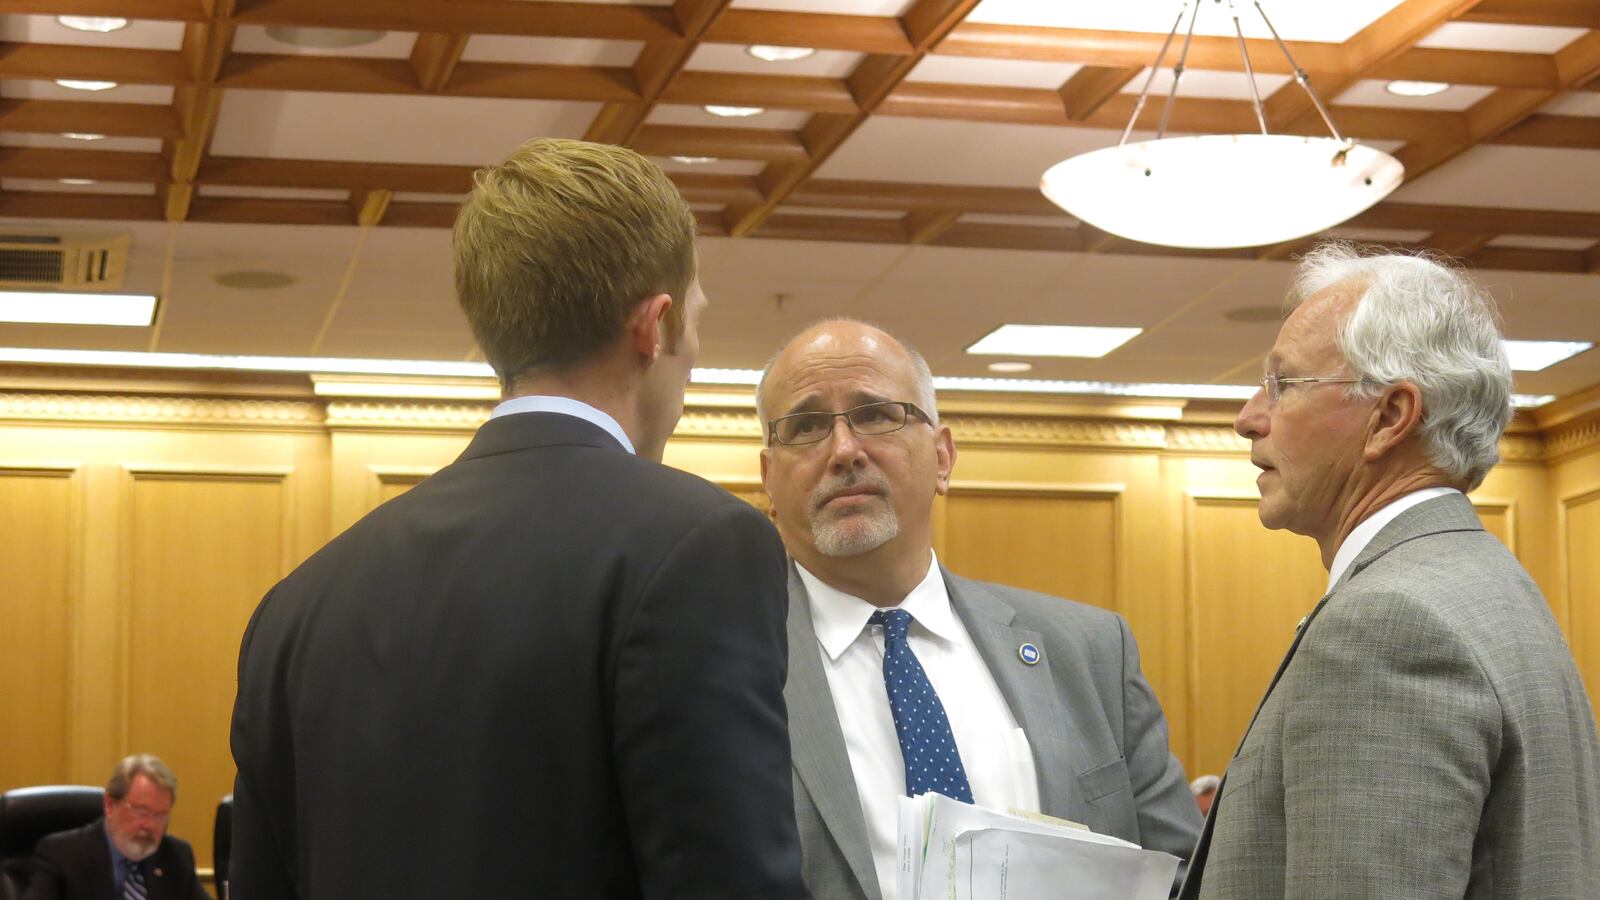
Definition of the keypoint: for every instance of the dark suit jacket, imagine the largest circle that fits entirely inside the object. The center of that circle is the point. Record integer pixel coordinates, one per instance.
(553, 669)
(76, 865)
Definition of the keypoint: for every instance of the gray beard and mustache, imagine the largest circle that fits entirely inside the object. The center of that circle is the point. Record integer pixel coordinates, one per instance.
(135, 848)
(856, 531)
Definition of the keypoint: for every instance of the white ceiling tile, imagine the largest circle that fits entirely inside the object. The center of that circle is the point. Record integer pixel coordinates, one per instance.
(76, 337)
(255, 39)
(1576, 103)
(729, 258)
(550, 51)
(1542, 242)
(263, 340)
(677, 114)
(1375, 93)
(1509, 38)
(736, 58)
(412, 318)
(57, 142)
(158, 94)
(718, 167)
(958, 152)
(51, 186)
(979, 268)
(1001, 72)
(1513, 177)
(389, 128)
(1295, 21)
(1206, 83)
(841, 7)
(140, 33)
(392, 345)
(406, 265)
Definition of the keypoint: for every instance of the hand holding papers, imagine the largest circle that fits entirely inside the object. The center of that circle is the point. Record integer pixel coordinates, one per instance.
(951, 850)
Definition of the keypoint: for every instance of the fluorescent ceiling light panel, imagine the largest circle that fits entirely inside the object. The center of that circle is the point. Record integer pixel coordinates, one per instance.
(83, 84)
(59, 308)
(1534, 356)
(100, 24)
(1084, 341)
(1402, 88)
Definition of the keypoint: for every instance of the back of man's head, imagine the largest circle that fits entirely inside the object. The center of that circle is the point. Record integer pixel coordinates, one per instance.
(557, 245)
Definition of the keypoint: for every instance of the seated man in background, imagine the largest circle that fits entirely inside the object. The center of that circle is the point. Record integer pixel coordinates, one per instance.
(126, 855)
(1042, 698)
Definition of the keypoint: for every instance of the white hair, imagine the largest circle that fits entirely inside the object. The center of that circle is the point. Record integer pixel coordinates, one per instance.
(922, 388)
(1425, 322)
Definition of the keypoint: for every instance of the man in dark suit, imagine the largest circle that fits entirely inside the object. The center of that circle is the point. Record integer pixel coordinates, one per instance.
(1032, 702)
(127, 855)
(555, 668)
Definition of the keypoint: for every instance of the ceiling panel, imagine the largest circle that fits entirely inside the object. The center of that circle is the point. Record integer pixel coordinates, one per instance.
(550, 51)
(737, 58)
(1374, 93)
(142, 33)
(1513, 177)
(1333, 22)
(255, 39)
(1514, 38)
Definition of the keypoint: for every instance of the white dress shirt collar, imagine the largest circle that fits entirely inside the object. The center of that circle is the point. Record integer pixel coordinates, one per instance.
(838, 617)
(566, 406)
(1371, 525)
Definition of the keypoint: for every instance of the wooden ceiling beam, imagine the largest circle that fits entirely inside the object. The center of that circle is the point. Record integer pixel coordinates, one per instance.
(143, 120)
(926, 227)
(159, 10)
(1556, 13)
(64, 205)
(419, 215)
(44, 62)
(1458, 244)
(926, 24)
(803, 227)
(197, 104)
(1091, 86)
(798, 92)
(1545, 130)
(1129, 48)
(264, 211)
(1529, 259)
(329, 175)
(824, 31)
(764, 144)
(1011, 237)
(434, 57)
(1384, 40)
(653, 70)
(1487, 68)
(1483, 219)
(101, 165)
(717, 190)
(547, 18)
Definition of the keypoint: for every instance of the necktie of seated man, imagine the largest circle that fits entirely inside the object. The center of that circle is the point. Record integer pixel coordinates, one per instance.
(932, 761)
(133, 885)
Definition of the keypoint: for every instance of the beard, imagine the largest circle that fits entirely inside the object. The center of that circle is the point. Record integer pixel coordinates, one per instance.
(137, 845)
(854, 531)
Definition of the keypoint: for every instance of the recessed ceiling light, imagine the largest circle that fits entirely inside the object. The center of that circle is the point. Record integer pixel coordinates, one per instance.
(1416, 88)
(79, 84)
(52, 308)
(1534, 356)
(76, 181)
(82, 136)
(324, 38)
(1010, 367)
(101, 24)
(772, 53)
(735, 112)
(694, 160)
(1052, 340)
(253, 280)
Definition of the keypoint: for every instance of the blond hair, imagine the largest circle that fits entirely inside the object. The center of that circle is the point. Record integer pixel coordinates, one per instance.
(556, 246)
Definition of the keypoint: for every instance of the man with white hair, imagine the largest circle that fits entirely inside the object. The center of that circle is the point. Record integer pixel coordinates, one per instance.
(905, 678)
(1428, 734)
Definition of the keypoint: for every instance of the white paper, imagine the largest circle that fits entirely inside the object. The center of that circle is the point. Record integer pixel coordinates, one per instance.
(1000, 864)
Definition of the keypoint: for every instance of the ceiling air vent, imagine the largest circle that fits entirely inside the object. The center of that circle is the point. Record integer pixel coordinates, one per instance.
(64, 261)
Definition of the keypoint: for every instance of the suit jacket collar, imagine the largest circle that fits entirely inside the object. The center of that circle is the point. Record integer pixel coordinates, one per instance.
(523, 431)
(817, 743)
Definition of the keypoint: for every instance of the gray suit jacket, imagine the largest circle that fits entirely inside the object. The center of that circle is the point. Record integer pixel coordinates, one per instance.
(1099, 738)
(1427, 736)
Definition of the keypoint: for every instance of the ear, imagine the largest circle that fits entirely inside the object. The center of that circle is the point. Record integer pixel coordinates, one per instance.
(766, 457)
(106, 799)
(1397, 415)
(944, 445)
(647, 326)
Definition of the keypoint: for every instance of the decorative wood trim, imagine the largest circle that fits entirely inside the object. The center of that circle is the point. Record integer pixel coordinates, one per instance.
(1571, 439)
(111, 409)
(354, 415)
(1041, 432)
(1059, 490)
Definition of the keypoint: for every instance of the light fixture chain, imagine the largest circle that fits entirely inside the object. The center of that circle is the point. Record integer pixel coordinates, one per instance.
(1300, 76)
(1144, 93)
(1249, 71)
(1177, 74)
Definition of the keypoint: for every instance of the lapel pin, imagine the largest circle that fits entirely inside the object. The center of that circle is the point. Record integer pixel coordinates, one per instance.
(158, 872)
(1029, 654)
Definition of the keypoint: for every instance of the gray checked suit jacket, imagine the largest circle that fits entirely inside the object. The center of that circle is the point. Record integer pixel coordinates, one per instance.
(1427, 736)
(1099, 738)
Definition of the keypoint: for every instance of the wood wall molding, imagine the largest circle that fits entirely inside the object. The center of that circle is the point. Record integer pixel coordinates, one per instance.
(1573, 438)
(112, 409)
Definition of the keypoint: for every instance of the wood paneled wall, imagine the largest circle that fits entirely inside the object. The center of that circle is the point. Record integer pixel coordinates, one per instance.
(137, 533)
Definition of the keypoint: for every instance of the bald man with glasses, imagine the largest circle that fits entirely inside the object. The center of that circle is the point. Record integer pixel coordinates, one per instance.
(905, 678)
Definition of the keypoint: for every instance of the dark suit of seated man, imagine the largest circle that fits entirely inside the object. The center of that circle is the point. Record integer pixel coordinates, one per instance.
(127, 854)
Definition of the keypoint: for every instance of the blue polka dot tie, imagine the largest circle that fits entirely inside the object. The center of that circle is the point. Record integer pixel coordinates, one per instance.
(932, 761)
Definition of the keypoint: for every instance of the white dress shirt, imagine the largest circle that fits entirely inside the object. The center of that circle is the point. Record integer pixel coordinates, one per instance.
(1363, 533)
(566, 406)
(994, 751)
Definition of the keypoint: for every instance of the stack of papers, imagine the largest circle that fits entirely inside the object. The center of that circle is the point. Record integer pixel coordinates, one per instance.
(951, 850)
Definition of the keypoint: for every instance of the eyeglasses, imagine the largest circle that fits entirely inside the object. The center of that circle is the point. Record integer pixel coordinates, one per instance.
(867, 419)
(146, 814)
(1274, 382)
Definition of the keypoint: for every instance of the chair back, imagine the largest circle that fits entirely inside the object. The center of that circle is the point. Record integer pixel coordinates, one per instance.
(28, 814)
(222, 845)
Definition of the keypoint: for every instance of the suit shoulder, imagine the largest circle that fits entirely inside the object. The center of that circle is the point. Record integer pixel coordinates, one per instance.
(1046, 609)
(72, 842)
